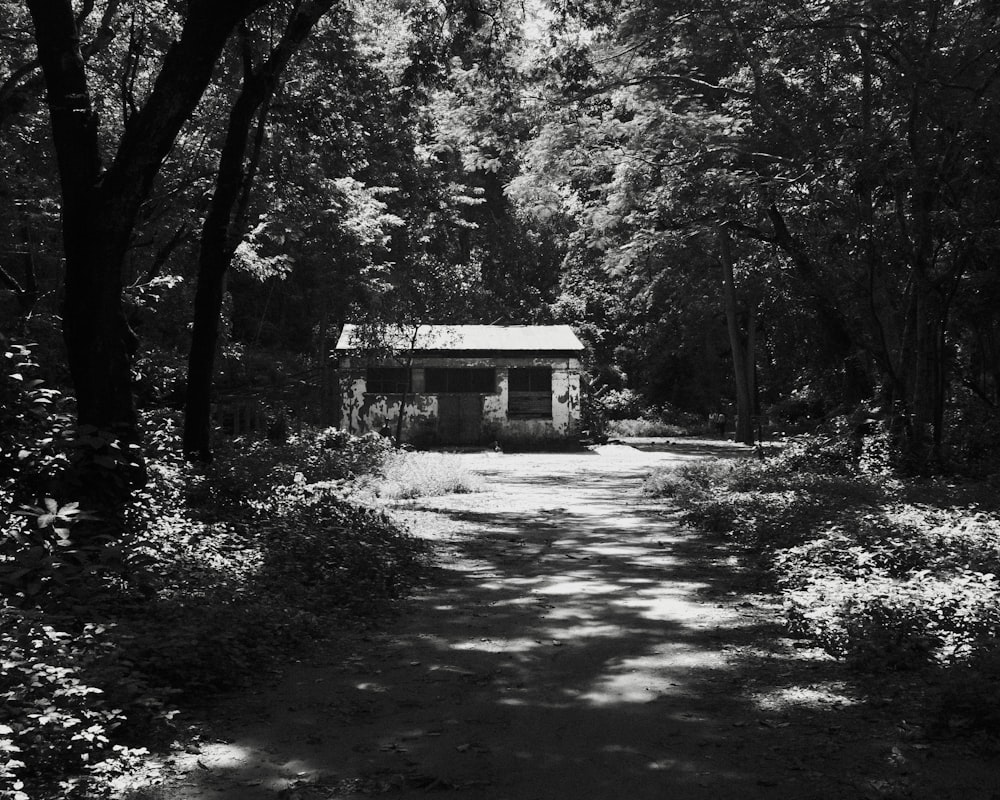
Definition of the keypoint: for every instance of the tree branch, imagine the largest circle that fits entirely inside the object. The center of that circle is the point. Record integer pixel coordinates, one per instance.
(28, 79)
(10, 281)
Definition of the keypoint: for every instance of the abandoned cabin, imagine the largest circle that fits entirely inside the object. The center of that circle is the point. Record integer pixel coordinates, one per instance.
(463, 384)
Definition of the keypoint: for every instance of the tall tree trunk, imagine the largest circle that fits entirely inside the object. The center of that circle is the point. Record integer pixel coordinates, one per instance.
(100, 209)
(99, 343)
(217, 249)
(740, 345)
(223, 227)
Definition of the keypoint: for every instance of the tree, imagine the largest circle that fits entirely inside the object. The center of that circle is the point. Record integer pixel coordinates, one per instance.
(225, 222)
(742, 341)
(100, 206)
(846, 139)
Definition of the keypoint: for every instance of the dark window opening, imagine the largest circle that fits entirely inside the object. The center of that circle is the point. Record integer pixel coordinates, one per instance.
(531, 379)
(468, 380)
(386, 380)
(530, 392)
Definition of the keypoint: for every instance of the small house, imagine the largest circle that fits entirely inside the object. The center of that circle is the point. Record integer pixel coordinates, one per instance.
(462, 384)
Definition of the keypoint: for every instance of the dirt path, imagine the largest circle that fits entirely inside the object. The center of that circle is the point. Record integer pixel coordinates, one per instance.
(575, 643)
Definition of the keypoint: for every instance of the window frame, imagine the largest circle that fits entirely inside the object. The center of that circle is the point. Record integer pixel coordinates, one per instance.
(401, 383)
(529, 393)
(460, 380)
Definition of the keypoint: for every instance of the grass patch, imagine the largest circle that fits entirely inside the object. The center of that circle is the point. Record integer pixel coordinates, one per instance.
(632, 428)
(876, 579)
(406, 475)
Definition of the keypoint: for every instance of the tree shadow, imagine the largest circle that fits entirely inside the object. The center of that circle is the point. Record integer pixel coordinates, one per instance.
(582, 650)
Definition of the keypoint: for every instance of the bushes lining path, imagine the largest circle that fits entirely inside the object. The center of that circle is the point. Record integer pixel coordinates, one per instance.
(576, 642)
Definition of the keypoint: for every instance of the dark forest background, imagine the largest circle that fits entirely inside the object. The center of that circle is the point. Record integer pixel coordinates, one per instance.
(786, 212)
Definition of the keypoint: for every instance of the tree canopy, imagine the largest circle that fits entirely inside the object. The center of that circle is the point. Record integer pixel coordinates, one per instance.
(700, 189)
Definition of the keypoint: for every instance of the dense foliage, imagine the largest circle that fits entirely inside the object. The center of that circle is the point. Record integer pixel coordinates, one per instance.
(796, 190)
(223, 574)
(784, 213)
(751, 206)
(888, 575)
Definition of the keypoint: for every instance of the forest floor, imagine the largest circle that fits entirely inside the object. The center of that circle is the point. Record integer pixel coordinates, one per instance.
(573, 641)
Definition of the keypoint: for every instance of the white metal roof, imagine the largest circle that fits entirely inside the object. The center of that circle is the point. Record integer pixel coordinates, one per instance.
(536, 338)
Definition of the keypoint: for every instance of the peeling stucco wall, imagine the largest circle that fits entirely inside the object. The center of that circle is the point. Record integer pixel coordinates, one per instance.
(495, 405)
(362, 412)
(565, 401)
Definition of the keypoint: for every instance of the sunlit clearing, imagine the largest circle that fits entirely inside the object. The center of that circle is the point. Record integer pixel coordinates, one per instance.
(515, 601)
(497, 646)
(497, 586)
(804, 697)
(661, 603)
(628, 688)
(643, 679)
(580, 586)
(584, 631)
(227, 756)
(618, 550)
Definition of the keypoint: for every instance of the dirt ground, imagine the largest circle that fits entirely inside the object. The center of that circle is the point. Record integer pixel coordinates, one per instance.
(574, 642)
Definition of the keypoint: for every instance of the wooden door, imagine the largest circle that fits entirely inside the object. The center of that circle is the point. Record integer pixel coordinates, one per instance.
(460, 418)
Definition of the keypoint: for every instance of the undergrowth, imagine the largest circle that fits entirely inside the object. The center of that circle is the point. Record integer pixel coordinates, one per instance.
(883, 573)
(222, 574)
(643, 427)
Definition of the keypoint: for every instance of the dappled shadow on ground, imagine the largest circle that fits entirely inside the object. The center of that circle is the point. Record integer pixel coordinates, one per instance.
(576, 643)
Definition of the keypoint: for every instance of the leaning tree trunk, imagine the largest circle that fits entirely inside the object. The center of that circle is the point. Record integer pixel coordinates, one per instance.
(223, 227)
(409, 384)
(740, 345)
(217, 249)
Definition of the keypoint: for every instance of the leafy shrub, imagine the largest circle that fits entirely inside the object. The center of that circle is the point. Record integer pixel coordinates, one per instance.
(689, 482)
(328, 553)
(837, 455)
(244, 471)
(227, 599)
(625, 413)
(56, 726)
(42, 562)
(33, 421)
(620, 404)
(51, 549)
(883, 622)
(219, 577)
(881, 583)
(356, 455)
(801, 408)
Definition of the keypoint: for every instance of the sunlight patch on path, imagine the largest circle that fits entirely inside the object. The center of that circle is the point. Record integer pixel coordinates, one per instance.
(575, 586)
